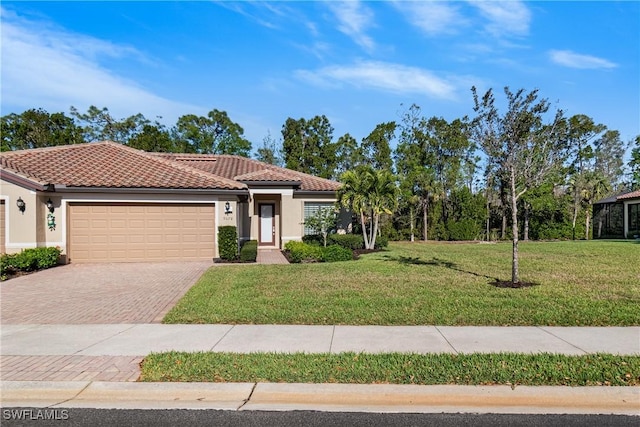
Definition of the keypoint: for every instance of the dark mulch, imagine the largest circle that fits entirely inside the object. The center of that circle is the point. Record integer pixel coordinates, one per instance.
(510, 284)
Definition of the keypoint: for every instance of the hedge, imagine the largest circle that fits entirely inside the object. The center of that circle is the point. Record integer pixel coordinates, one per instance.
(29, 260)
(228, 242)
(249, 251)
(303, 252)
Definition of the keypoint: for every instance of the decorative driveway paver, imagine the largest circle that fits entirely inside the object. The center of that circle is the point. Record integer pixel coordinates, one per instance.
(97, 293)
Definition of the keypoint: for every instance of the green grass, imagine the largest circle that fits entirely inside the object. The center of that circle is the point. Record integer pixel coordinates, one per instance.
(582, 283)
(395, 368)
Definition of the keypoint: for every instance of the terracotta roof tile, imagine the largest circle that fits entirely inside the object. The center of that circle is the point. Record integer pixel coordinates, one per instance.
(233, 167)
(266, 175)
(108, 165)
(632, 195)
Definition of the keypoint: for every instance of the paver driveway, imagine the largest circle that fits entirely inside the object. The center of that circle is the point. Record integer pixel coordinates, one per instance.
(97, 293)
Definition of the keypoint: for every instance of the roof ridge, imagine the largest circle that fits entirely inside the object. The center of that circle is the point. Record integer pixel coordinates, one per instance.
(187, 168)
(59, 147)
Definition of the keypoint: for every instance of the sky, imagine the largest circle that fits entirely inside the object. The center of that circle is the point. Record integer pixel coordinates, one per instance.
(360, 63)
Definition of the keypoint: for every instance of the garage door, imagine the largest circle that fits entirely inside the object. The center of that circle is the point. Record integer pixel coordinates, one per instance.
(108, 232)
(2, 247)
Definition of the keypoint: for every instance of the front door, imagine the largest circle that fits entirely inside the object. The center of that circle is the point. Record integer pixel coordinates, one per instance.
(267, 225)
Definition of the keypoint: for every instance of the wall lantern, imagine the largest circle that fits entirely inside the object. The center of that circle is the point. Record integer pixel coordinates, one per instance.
(227, 208)
(50, 205)
(21, 205)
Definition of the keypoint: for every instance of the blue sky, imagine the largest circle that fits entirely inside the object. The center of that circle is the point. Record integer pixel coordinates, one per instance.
(358, 63)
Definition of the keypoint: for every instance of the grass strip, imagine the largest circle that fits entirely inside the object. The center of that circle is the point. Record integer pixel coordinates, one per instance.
(395, 368)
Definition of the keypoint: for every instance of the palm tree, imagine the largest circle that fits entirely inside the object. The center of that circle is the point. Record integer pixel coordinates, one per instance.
(369, 193)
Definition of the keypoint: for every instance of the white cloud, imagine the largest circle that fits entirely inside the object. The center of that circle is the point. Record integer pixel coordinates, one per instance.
(47, 67)
(571, 59)
(433, 18)
(383, 76)
(353, 20)
(505, 17)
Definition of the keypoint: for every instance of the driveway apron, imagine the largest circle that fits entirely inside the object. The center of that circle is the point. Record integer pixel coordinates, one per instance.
(98, 293)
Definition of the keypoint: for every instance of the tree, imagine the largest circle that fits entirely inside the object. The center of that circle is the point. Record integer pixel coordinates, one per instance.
(269, 152)
(519, 145)
(375, 147)
(98, 125)
(154, 138)
(368, 193)
(307, 146)
(348, 154)
(634, 165)
(214, 133)
(37, 128)
(609, 153)
(323, 221)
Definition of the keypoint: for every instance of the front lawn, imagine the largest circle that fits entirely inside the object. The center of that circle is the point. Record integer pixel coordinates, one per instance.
(582, 283)
(395, 368)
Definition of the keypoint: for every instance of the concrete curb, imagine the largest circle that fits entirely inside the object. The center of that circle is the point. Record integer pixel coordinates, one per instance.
(323, 397)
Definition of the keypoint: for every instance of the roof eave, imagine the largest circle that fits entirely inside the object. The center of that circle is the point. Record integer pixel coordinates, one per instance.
(206, 191)
(271, 183)
(331, 193)
(26, 183)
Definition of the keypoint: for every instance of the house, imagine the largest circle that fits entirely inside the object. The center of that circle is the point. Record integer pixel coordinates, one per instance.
(617, 217)
(105, 202)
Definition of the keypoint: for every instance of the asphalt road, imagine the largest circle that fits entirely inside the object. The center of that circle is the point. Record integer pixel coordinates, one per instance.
(113, 417)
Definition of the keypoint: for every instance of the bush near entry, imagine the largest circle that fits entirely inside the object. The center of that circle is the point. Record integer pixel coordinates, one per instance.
(249, 251)
(228, 242)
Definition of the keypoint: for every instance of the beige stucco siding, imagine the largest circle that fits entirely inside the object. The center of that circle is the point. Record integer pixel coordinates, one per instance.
(293, 215)
(21, 228)
(2, 227)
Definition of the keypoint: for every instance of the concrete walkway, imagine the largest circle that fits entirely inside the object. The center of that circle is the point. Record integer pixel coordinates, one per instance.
(141, 339)
(271, 256)
(60, 366)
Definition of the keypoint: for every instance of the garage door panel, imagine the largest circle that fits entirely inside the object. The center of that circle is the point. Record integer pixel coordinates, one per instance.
(141, 232)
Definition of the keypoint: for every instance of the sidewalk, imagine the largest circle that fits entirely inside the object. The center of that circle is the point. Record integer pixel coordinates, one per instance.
(141, 339)
(67, 365)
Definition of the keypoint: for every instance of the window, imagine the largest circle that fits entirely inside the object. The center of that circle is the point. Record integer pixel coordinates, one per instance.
(634, 218)
(310, 209)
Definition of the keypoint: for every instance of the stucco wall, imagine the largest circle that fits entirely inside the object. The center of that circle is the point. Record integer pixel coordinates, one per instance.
(21, 228)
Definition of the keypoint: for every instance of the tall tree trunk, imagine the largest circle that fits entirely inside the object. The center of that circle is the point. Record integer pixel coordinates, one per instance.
(575, 218)
(515, 274)
(587, 223)
(364, 230)
(374, 232)
(488, 218)
(503, 210)
(525, 236)
(412, 222)
(425, 224)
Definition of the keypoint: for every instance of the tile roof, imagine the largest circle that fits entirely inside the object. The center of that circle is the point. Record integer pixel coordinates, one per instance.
(108, 165)
(235, 167)
(266, 175)
(632, 195)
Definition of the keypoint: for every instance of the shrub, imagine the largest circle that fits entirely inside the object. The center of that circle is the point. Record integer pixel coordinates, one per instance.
(349, 241)
(465, 229)
(333, 253)
(29, 260)
(249, 251)
(381, 242)
(228, 242)
(312, 239)
(302, 252)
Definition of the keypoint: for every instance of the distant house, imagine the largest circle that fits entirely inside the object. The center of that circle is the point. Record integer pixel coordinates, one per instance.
(105, 202)
(617, 217)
